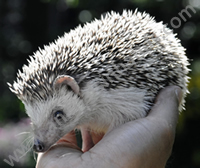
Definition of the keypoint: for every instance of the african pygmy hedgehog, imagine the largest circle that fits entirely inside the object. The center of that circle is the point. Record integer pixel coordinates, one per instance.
(100, 75)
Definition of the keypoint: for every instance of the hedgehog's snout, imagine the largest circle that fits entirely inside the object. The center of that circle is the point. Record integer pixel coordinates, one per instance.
(38, 146)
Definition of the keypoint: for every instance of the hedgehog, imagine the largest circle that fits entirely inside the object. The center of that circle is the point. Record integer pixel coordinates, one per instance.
(100, 75)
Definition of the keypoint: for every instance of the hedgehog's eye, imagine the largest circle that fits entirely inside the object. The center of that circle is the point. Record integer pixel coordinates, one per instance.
(59, 115)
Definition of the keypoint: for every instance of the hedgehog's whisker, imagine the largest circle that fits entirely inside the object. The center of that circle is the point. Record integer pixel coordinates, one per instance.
(23, 133)
(27, 146)
(27, 139)
(31, 146)
(30, 142)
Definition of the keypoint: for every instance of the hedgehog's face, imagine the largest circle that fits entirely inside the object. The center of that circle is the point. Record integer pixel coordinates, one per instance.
(55, 117)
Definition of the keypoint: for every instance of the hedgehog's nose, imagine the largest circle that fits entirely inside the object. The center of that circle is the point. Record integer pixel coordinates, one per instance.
(38, 146)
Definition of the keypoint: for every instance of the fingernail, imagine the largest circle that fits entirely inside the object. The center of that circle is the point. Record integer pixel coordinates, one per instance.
(179, 95)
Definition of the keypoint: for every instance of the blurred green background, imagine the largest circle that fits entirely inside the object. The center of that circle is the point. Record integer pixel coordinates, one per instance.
(26, 25)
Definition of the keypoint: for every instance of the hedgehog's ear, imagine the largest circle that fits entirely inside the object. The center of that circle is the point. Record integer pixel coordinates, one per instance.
(66, 80)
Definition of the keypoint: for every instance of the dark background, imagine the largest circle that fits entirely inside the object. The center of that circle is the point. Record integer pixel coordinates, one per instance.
(26, 25)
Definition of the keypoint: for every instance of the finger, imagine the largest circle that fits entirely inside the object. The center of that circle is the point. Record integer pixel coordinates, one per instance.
(166, 105)
(69, 140)
(87, 142)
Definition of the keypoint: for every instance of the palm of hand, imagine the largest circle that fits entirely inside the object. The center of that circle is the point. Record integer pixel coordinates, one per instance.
(145, 142)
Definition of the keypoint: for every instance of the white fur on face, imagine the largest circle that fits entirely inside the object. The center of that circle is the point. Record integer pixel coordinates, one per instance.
(42, 113)
(39, 112)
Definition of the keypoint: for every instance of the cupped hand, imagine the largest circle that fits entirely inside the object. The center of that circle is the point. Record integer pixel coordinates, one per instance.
(143, 143)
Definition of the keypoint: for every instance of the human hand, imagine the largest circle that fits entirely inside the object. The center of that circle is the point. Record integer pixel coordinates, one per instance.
(143, 143)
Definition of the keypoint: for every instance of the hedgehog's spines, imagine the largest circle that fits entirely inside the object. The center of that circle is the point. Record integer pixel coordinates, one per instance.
(117, 51)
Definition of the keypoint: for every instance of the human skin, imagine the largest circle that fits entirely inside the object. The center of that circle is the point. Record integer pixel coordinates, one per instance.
(143, 143)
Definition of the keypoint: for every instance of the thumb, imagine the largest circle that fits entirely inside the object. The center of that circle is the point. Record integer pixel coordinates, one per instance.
(166, 105)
